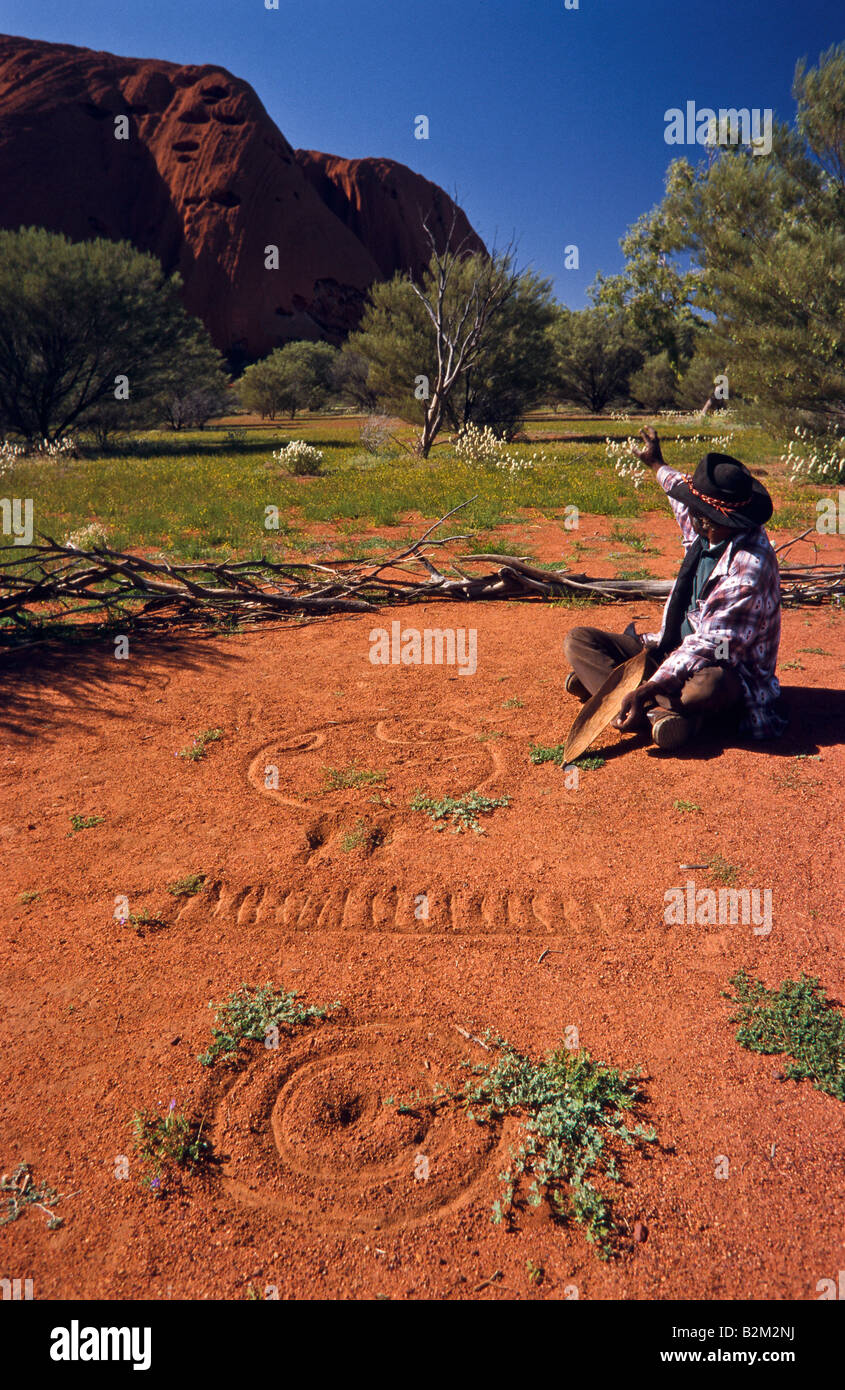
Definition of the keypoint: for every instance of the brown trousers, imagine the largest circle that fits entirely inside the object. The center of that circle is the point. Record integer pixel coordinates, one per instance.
(593, 654)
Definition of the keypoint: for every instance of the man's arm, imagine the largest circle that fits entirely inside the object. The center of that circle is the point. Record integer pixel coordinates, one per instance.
(650, 454)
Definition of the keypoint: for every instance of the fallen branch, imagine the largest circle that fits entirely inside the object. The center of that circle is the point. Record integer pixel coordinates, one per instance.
(53, 575)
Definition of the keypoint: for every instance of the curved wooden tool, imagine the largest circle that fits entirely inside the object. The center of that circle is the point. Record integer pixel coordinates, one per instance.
(603, 707)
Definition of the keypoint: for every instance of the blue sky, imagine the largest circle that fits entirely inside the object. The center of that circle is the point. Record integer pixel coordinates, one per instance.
(548, 122)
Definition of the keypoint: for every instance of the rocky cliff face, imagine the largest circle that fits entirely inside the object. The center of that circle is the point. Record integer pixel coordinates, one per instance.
(385, 204)
(207, 182)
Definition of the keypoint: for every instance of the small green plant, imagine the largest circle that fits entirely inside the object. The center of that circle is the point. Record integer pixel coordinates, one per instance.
(84, 823)
(168, 1142)
(341, 778)
(187, 887)
(686, 805)
(794, 780)
(30, 896)
(370, 836)
(722, 870)
(628, 537)
(253, 1014)
(589, 763)
(462, 811)
(201, 741)
(142, 923)
(536, 1273)
(539, 754)
(513, 703)
(572, 1113)
(797, 1020)
(21, 1192)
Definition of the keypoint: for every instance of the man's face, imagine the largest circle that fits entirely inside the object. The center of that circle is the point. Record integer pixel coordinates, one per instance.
(709, 530)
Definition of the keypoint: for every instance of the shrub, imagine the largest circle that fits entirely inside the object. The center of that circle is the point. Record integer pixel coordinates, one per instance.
(300, 459)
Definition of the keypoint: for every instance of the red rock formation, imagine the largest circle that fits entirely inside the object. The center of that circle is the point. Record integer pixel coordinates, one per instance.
(384, 204)
(206, 182)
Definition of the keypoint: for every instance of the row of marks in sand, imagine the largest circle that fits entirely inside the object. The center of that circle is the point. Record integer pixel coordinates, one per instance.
(392, 909)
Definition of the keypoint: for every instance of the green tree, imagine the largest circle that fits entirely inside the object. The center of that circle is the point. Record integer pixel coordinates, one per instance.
(396, 341)
(760, 242)
(196, 387)
(654, 292)
(654, 386)
(594, 356)
(697, 386)
(351, 379)
(309, 366)
(268, 388)
(298, 376)
(90, 335)
(514, 370)
(471, 311)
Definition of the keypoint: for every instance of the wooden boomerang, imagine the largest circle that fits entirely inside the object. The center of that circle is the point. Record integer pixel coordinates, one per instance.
(603, 707)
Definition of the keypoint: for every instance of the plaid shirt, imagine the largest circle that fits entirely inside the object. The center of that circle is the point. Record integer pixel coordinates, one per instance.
(738, 620)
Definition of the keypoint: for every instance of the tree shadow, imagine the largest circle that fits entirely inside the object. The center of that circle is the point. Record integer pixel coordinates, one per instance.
(49, 689)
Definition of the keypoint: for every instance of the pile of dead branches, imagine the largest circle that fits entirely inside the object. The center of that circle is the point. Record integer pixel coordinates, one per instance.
(52, 579)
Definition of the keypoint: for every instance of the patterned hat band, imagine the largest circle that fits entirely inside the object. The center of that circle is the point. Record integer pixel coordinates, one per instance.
(727, 508)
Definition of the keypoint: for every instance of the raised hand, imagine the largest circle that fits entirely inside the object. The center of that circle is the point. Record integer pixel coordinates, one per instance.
(650, 454)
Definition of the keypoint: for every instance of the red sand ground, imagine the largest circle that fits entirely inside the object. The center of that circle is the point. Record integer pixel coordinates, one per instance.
(316, 1193)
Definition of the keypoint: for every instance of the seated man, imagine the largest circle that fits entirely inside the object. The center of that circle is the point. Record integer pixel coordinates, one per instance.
(716, 652)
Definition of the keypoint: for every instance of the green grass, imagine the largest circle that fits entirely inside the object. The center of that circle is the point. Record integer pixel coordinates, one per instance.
(639, 572)
(142, 923)
(197, 750)
(572, 1114)
(796, 1020)
(342, 778)
(84, 823)
(252, 1014)
(686, 806)
(188, 886)
(462, 811)
(538, 754)
(364, 834)
(722, 870)
(21, 1193)
(201, 494)
(633, 539)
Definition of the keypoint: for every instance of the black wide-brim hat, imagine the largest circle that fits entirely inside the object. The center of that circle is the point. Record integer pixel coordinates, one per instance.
(722, 489)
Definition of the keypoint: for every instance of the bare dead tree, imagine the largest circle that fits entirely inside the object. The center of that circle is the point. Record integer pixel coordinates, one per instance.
(459, 316)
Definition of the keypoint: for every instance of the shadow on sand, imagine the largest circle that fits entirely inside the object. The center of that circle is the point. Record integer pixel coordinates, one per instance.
(816, 720)
(60, 686)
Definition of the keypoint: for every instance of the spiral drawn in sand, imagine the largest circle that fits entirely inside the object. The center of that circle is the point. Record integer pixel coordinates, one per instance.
(307, 1132)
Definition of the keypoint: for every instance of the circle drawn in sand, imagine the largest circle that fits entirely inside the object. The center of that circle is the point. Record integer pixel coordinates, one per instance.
(307, 1131)
(406, 754)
